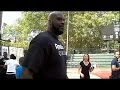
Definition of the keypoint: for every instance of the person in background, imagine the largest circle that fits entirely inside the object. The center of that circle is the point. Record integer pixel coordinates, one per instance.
(5, 56)
(11, 65)
(115, 67)
(85, 67)
(2, 69)
(3, 59)
(20, 68)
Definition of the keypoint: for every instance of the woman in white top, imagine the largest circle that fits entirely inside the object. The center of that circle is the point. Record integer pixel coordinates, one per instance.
(11, 65)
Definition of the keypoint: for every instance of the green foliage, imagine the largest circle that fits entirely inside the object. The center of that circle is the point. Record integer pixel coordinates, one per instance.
(84, 27)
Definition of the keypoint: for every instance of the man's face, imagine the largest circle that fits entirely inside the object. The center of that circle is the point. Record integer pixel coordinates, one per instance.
(117, 54)
(58, 24)
(5, 54)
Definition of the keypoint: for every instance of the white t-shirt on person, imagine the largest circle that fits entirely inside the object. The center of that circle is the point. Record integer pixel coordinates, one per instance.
(11, 65)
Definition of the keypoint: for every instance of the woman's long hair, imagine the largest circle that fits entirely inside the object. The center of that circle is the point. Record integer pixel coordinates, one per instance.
(88, 57)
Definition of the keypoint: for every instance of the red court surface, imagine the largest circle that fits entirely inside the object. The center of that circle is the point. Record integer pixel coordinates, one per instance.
(103, 73)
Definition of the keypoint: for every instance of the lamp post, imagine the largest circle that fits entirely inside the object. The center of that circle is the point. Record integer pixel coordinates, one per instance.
(119, 39)
(0, 32)
(67, 34)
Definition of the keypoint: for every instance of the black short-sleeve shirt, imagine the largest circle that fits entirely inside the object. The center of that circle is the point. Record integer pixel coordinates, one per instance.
(46, 57)
(85, 69)
(116, 63)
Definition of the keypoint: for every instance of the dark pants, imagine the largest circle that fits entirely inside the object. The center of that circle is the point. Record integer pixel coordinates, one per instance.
(11, 76)
(2, 73)
(85, 77)
(114, 77)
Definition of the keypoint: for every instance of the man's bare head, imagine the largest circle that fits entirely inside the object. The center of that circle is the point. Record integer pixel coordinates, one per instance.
(53, 14)
(56, 22)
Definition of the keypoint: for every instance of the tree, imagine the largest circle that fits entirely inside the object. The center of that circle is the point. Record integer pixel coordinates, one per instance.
(84, 27)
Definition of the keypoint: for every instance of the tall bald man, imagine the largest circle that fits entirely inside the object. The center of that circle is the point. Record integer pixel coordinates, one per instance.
(46, 58)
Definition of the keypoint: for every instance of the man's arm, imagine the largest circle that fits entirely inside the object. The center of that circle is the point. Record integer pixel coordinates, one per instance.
(114, 63)
(114, 68)
(34, 59)
(26, 74)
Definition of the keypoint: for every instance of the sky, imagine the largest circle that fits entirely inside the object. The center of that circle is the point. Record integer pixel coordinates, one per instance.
(10, 17)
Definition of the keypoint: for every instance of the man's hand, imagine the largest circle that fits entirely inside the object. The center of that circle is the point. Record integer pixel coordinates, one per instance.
(26, 74)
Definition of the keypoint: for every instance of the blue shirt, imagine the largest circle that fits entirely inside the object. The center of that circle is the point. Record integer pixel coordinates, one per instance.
(18, 71)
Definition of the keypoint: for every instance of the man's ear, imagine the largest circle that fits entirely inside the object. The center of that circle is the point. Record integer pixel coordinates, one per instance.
(50, 22)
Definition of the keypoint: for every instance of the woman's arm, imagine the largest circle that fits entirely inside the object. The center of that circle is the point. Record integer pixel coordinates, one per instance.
(79, 71)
